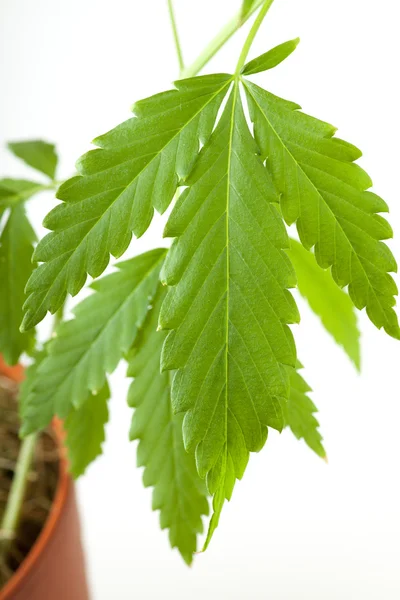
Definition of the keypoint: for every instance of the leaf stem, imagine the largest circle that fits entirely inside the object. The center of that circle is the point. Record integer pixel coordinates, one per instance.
(16, 496)
(220, 39)
(176, 35)
(252, 34)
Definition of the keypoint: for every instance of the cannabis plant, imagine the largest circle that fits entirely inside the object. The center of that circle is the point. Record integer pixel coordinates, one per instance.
(203, 323)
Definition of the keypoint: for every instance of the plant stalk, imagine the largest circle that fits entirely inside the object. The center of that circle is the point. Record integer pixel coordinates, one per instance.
(16, 496)
(176, 35)
(252, 34)
(12, 513)
(220, 39)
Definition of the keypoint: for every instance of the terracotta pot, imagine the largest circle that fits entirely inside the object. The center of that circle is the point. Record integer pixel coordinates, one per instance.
(54, 568)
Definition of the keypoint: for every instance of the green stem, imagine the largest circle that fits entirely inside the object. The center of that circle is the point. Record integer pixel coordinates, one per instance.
(216, 44)
(252, 34)
(176, 36)
(16, 496)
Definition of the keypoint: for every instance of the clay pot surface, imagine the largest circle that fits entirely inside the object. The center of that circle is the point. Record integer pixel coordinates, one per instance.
(55, 567)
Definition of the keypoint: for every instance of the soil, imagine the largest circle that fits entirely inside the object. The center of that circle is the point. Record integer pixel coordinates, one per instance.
(42, 483)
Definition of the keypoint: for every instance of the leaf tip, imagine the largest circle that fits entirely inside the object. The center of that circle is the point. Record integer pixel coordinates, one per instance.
(357, 363)
(25, 325)
(96, 141)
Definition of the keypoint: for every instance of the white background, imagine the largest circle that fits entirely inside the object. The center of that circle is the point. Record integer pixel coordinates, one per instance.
(296, 528)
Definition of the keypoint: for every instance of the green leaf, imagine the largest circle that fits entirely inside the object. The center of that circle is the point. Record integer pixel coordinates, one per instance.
(228, 306)
(16, 250)
(37, 154)
(91, 345)
(325, 193)
(271, 59)
(299, 413)
(84, 429)
(25, 387)
(327, 300)
(247, 6)
(135, 170)
(179, 494)
(15, 191)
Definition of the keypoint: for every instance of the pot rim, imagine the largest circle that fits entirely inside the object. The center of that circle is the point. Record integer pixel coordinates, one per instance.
(62, 490)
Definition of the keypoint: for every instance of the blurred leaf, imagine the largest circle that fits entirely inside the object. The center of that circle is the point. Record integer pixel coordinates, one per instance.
(16, 250)
(37, 154)
(30, 374)
(14, 191)
(247, 6)
(327, 300)
(84, 427)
